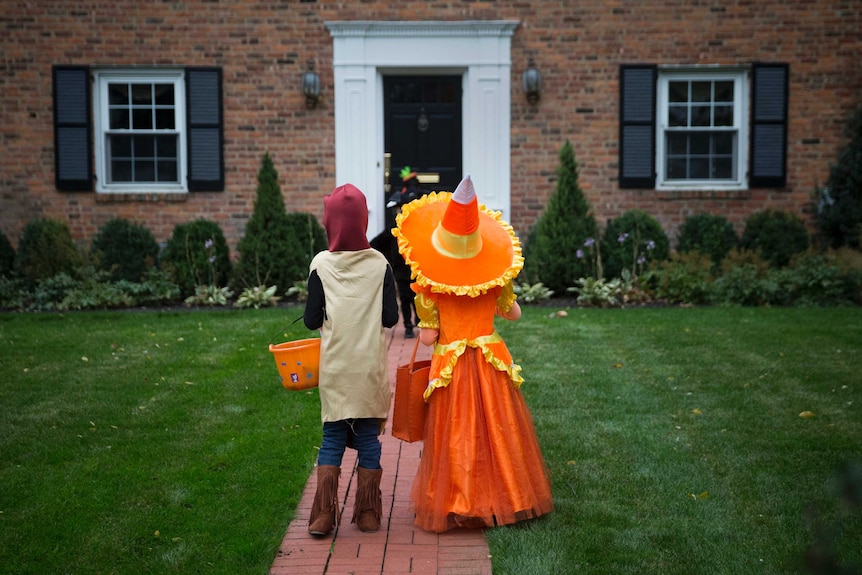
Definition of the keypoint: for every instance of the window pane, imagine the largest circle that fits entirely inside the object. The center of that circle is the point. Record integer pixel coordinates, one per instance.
(724, 91)
(164, 119)
(142, 119)
(120, 146)
(142, 94)
(701, 91)
(166, 147)
(677, 116)
(119, 119)
(700, 115)
(164, 94)
(699, 168)
(722, 168)
(118, 94)
(723, 143)
(700, 143)
(145, 171)
(676, 169)
(167, 171)
(723, 116)
(145, 147)
(678, 91)
(121, 171)
(677, 144)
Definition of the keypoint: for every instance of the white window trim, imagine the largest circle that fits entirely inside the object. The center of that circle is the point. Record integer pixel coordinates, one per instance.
(100, 126)
(741, 113)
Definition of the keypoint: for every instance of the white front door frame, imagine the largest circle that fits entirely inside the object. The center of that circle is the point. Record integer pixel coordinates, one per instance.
(479, 50)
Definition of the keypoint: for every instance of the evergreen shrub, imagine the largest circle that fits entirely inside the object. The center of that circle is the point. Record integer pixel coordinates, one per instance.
(555, 252)
(839, 203)
(710, 234)
(125, 249)
(776, 235)
(45, 250)
(197, 254)
(7, 256)
(276, 247)
(633, 241)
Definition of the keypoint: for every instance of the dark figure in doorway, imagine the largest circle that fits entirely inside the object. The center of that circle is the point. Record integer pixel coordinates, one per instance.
(386, 244)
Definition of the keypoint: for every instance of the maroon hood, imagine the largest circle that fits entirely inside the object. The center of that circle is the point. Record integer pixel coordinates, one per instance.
(345, 217)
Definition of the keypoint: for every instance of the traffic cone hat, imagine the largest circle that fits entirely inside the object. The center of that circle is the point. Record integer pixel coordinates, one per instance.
(455, 245)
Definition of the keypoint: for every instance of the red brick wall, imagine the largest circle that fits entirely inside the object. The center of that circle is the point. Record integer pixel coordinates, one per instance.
(263, 47)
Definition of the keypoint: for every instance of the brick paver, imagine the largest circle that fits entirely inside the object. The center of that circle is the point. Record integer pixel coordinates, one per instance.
(399, 548)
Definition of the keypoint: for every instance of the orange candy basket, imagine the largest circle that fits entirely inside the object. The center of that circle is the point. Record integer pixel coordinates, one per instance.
(298, 363)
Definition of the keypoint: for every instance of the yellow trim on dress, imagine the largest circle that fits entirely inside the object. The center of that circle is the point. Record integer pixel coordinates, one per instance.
(475, 290)
(457, 349)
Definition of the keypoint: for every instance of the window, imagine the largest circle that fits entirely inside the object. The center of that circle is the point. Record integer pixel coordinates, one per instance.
(701, 137)
(140, 136)
(703, 128)
(157, 130)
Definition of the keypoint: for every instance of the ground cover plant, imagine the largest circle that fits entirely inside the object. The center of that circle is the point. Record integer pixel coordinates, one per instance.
(690, 440)
(680, 440)
(148, 442)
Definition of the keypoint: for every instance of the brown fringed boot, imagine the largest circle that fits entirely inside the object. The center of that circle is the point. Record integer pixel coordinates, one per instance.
(369, 505)
(324, 511)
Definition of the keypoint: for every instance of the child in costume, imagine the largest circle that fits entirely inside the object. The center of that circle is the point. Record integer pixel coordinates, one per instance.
(351, 299)
(481, 463)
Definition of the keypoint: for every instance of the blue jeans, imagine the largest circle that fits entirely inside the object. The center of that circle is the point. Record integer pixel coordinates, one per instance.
(363, 433)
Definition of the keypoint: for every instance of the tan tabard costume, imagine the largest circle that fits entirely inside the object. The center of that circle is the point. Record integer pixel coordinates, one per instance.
(353, 362)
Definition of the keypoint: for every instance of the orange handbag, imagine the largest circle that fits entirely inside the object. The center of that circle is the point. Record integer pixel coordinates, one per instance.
(408, 414)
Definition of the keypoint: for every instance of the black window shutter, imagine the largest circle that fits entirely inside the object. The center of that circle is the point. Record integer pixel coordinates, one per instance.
(768, 160)
(637, 125)
(204, 119)
(73, 129)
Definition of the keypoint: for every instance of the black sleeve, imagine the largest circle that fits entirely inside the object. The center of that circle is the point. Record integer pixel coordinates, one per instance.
(390, 300)
(315, 304)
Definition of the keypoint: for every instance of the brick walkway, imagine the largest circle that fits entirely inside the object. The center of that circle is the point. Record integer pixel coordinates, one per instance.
(399, 547)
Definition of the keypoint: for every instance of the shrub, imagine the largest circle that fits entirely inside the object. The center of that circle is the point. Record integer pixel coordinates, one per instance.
(813, 281)
(553, 247)
(745, 280)
(617, 292)
(45, 250)
(839, 203)
(684, 278)
(630, 242)
(197, 254)
(125, 249)
(7, 256)
(277, 247)
(776, 235)
(709, 234)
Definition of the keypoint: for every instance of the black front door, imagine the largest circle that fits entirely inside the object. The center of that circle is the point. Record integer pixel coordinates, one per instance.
(422, 127)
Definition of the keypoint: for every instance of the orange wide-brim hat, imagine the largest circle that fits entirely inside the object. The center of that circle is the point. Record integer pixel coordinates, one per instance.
(455, 245)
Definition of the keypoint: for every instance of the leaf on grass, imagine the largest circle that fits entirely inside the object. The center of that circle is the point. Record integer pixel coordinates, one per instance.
(571, 462)
(85, 358)
(618, 365)
(696, 411)
(806, 414)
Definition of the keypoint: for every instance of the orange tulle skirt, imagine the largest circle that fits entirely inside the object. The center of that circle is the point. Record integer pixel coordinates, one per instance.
(481, 464)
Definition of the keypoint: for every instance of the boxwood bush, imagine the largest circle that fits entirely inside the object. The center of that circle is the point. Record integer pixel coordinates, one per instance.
(124, 249)
(197, 255)
(709, 234)
(777, 235)
(633, 241)
(45, 250)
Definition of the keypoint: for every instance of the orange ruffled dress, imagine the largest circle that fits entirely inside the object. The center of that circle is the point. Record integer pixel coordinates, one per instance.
(481, 463)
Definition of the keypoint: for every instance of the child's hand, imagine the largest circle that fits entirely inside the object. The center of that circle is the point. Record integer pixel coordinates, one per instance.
(428, 336)
(513, 314)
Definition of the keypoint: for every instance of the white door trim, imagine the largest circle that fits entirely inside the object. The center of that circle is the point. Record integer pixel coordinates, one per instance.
(479, 50)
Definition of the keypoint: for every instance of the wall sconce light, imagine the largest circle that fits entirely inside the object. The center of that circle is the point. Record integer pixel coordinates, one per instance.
(532, 82)
(311, 86)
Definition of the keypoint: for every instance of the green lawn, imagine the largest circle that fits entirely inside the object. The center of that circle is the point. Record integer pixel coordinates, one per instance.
(162, 441)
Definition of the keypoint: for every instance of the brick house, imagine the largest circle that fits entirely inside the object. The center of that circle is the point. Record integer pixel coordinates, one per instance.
(160, 112)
